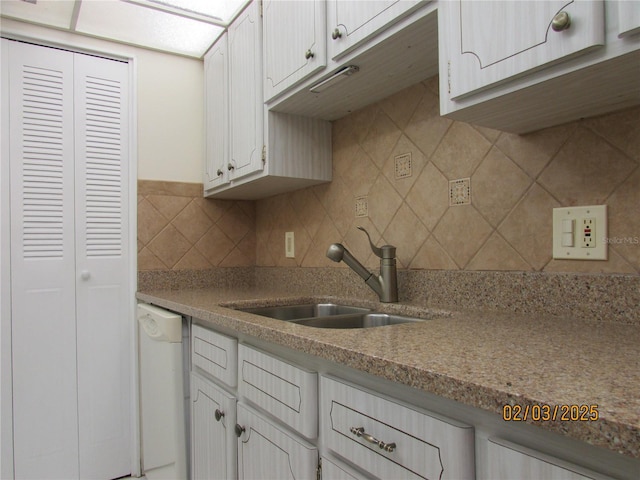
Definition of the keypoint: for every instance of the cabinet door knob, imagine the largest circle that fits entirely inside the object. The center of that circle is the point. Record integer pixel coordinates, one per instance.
(85, 275)
(336, 34)
(219, 172)
(239, 430)
(308, 54)
(230, 167)
(560, 22)
(218, 414)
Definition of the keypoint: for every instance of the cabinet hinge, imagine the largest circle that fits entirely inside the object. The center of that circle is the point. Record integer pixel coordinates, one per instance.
(319, 470)
(449, 77)
(264, 154)
(260, 6)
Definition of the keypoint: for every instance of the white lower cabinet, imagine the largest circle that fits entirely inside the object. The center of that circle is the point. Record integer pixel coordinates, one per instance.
(268, 451)
(213, 440)
(390, 440)
(507, 461)
(336, 470)
(284, 420)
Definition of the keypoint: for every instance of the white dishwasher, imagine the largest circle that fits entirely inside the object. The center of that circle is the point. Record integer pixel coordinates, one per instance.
(162, 403)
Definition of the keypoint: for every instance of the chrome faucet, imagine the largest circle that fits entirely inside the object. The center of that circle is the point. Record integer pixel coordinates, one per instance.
(385, 285)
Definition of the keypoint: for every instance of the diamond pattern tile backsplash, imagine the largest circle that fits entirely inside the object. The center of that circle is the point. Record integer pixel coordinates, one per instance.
(178, 229)
(515, 181)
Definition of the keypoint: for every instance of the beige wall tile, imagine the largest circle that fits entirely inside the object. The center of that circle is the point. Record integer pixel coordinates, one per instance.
(400, 107)
(497, 185)
(461, 232)
(189, 233)
(528, 228)
(533, 151)
(429, 197)
(381, 139)
(407, 233)
(516, 181)
(433, 257)
(461, 151)
(497, 254)
(586, 170)
(169, 245)
(622, 129)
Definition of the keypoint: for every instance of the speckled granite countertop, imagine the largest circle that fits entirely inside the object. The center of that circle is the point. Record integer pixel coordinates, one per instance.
(481, 359)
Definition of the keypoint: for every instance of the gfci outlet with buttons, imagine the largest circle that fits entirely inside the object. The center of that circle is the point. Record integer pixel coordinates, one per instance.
(580, 233)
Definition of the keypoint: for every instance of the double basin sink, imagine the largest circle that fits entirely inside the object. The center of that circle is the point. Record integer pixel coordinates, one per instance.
(329, 315)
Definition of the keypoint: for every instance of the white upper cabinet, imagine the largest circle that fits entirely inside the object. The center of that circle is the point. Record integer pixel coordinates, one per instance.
(294, 42)
(246, 107)
(524, 66)
(493, 41)
(351, 22)
(268, 152)
(628, 17)
(216, 98)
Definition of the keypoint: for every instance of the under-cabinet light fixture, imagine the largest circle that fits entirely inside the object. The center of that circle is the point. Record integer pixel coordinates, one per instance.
(337, 77)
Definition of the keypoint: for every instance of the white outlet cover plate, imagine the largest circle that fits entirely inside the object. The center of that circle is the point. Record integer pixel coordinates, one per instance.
(598, 251)
(289, 245)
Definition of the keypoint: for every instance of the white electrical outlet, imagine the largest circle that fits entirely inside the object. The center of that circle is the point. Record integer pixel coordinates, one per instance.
(289, 245)
(580, 233)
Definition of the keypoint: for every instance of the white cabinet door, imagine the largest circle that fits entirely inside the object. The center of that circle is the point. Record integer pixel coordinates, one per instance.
(70, 264)
(507, 461)
(45, 402)
(268, 452)
(216, 120)
(351, 22)
(245, 84)
(492, 41)
(213, 439)
(294, 42)
(628, 17)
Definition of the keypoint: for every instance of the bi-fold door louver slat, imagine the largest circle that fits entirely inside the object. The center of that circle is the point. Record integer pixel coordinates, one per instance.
(103, 150)
(42, 163)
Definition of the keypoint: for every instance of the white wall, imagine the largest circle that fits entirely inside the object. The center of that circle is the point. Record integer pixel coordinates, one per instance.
(169, 103)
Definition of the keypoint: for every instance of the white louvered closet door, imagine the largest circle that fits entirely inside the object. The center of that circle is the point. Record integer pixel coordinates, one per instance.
(70, 264)
(102, 268)
(43, 313)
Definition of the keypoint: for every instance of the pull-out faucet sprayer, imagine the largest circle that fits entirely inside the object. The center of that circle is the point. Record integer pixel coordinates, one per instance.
(385, 285)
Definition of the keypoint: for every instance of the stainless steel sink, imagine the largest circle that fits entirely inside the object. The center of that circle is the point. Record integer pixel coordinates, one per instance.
(310, 311)
(362, 320)
(330, 315)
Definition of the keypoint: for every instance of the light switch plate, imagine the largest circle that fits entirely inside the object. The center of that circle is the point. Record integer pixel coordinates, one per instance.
(580, 233)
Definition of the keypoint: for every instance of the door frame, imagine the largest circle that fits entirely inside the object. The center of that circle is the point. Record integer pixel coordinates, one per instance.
(6, 393)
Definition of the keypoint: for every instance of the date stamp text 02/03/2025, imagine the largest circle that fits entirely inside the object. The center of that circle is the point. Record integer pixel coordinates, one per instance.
(546, 413)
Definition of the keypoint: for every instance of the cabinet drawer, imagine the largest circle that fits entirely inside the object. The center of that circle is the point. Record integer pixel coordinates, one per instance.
(214, 354)
(507, 460)
(287, 392)
(391, 440)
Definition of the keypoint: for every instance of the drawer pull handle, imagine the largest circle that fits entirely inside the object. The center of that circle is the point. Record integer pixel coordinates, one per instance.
(218, 414)
(359, 432)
